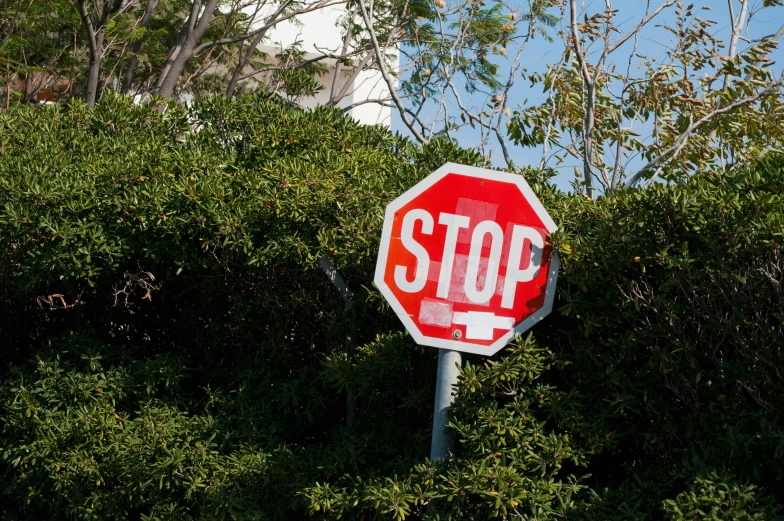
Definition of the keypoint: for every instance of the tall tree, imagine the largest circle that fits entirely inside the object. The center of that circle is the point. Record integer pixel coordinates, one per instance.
(36, 47)
(95, 18)
(191, 42)
(133, 61)
(709, 96)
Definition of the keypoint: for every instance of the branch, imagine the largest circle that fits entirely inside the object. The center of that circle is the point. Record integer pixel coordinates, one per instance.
(774, 39)
(617, 163)
(673, 156)
(640, 25)
(576, 39)
(339, 64)
(384, 74)
(88, 23)
(335, 98)
(551, 120)
(301, 64)
(182, 36)
(737, 27)
(379, 101)
(678, 143)
(510, 83)
(273, 20)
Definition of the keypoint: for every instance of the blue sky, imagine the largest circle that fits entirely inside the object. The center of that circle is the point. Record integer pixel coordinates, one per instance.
(652, 43)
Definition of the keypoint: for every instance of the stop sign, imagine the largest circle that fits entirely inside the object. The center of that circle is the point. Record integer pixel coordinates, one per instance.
(464, 260)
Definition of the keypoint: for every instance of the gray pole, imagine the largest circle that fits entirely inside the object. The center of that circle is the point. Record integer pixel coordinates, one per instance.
(449, 363)
(348, 296)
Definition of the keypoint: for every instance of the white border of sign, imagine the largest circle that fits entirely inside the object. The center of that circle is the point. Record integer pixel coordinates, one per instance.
(458, 345)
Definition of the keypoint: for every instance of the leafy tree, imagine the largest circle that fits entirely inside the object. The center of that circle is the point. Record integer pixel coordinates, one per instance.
(705, 109)
(165, 48)
(145, 47)
(708, 98)
(30, 61)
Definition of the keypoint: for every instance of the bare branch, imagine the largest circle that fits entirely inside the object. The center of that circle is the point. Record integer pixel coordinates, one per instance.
(272, 20)
(578, 51)
(382, 67)
(379, 101)
(640, 25)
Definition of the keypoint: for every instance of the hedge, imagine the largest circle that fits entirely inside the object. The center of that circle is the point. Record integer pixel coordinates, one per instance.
(172, 349)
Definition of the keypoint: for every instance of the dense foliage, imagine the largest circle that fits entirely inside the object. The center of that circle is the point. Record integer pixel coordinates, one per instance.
(172, 350)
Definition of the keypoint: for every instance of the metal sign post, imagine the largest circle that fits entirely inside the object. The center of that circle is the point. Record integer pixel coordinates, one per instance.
(449, 363)
(348, 297)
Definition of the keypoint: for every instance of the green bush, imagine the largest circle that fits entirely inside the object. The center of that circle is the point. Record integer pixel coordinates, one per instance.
(714, 498)
(672, 316)
(172, 350)
(663, 365)
(195, 236)
(93, 439)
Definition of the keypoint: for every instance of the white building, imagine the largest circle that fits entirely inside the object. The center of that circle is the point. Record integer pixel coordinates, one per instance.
(319, 32)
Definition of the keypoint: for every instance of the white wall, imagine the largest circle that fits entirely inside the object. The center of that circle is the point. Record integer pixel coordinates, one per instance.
(319, 32)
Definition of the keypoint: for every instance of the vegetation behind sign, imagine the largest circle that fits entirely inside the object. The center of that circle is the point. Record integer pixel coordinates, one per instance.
(172, 349)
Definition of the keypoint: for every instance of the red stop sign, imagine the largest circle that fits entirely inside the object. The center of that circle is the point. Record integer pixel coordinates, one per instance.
(464, 260)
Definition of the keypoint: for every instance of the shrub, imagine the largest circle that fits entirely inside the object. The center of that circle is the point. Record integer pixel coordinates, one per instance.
(195, 236)
(172, 349)
(672, 316)
(92, 438)
(714, 498)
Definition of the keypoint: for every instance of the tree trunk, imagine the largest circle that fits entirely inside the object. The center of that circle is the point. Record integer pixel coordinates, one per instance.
(172, 77)
(243, 61)
(179, 57)
(94, 70)
(186, 29)
(737, 27)
(130, 70)
(94, 28)
(588, 138)
(334, 97)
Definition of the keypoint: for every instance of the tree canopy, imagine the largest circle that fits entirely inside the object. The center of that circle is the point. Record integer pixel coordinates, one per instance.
(617, 94)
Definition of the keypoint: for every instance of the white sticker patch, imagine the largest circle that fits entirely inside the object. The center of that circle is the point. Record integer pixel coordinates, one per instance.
(477, 211)
(480, 325)
(435, 313)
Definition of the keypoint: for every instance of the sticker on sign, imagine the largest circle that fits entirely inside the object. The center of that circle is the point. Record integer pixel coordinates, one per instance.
(464, 260)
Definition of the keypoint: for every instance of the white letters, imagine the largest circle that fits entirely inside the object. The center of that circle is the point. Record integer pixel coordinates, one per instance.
(493, 262)
(513, 272)
(422, 258)
(453, 224)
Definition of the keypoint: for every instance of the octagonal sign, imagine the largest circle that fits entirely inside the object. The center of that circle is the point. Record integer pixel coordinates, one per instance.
(464, 260)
